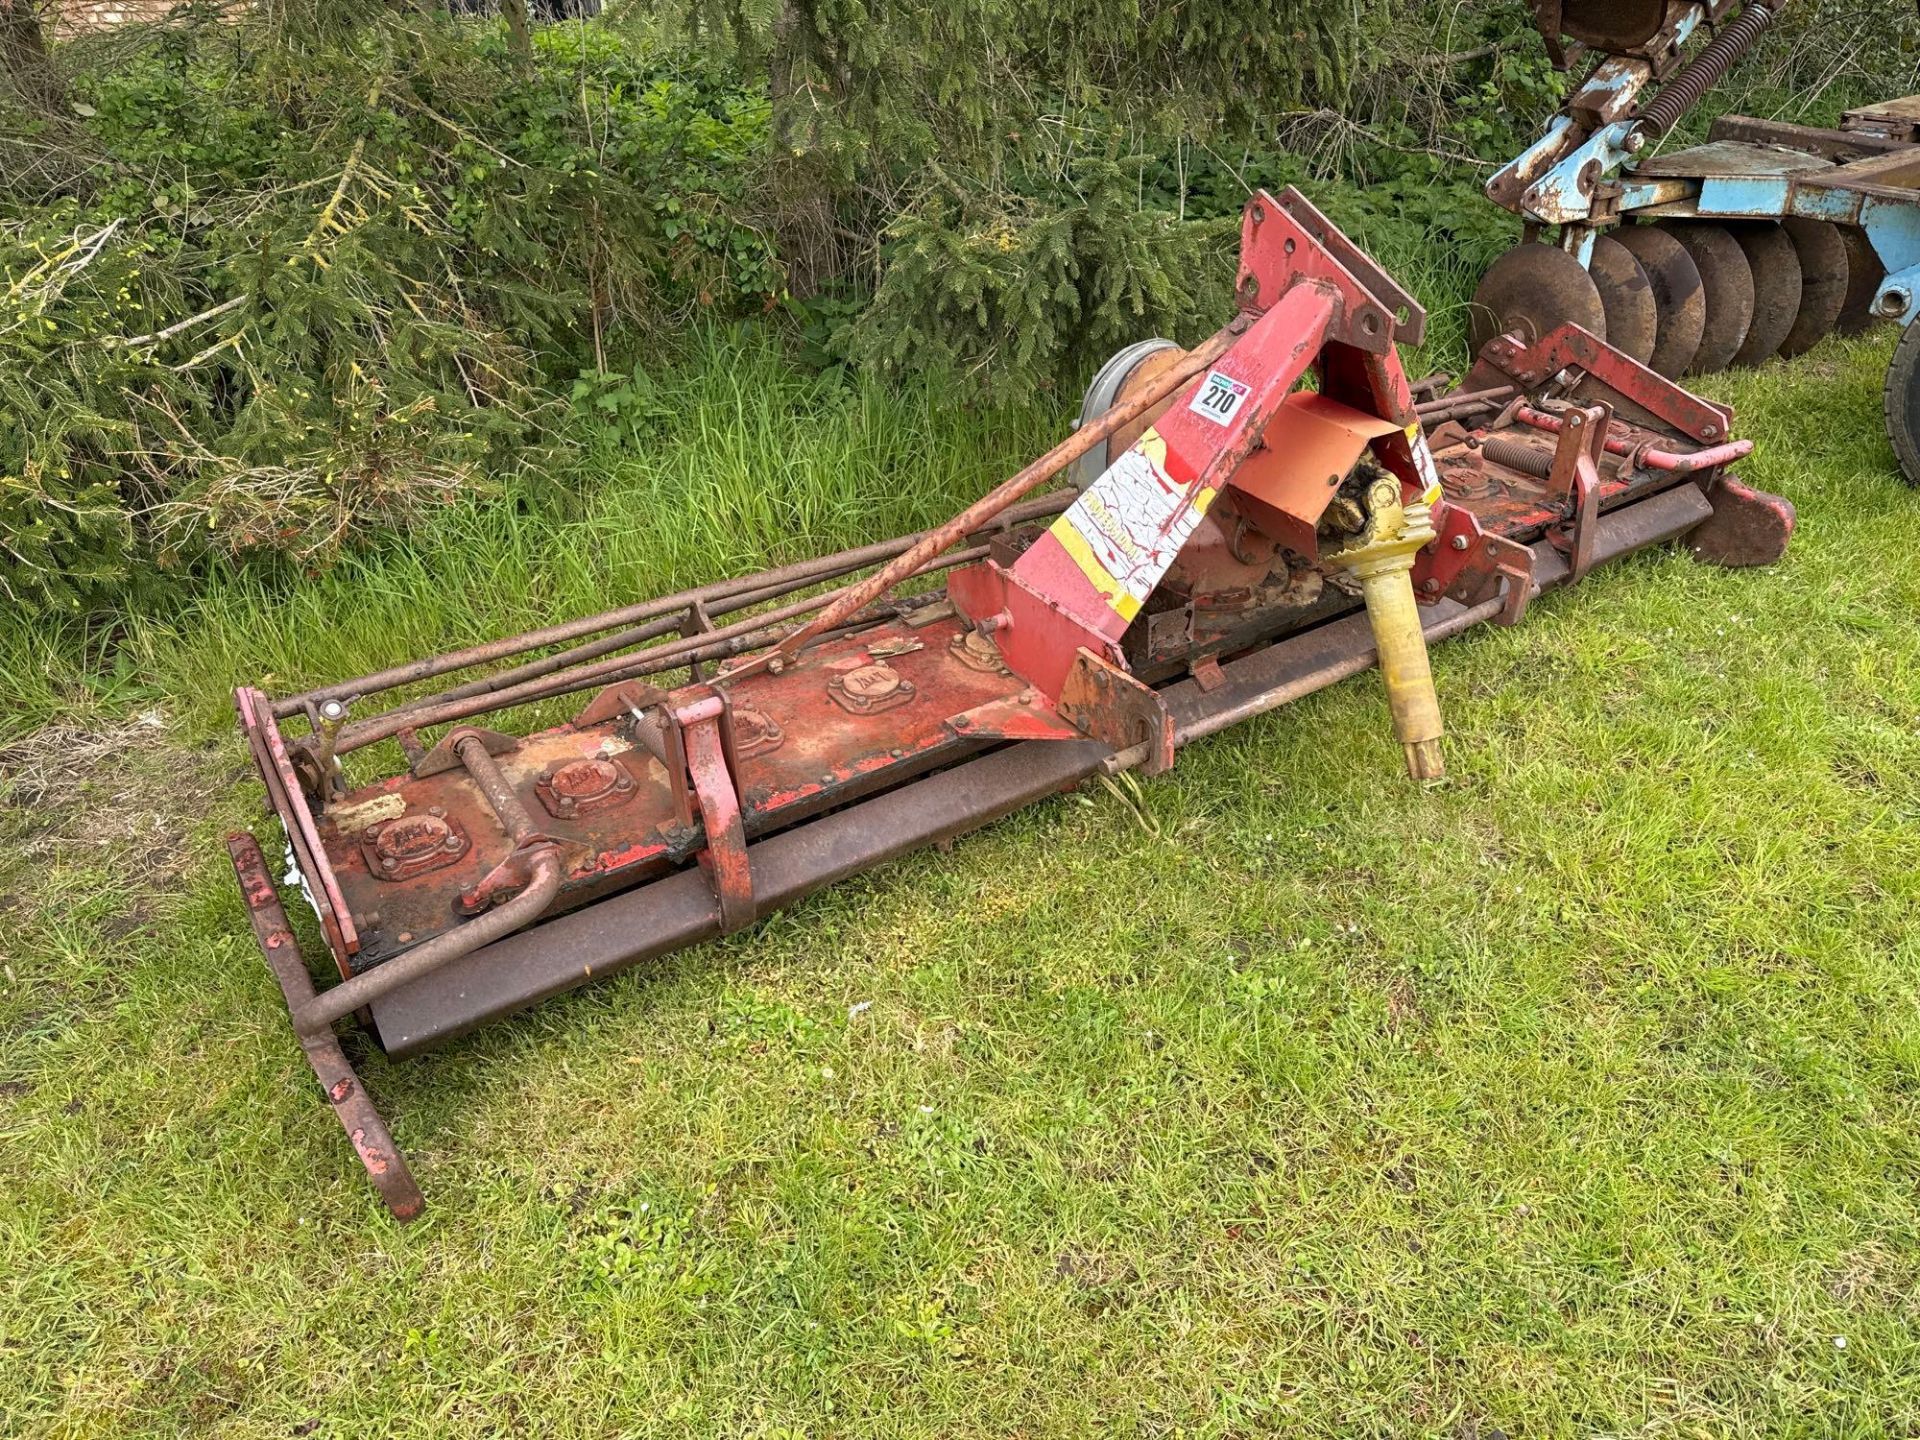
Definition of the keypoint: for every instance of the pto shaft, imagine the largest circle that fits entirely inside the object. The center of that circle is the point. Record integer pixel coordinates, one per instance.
(1383, 564)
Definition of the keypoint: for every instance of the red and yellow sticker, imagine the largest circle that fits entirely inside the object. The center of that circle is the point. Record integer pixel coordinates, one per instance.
(1125, 531)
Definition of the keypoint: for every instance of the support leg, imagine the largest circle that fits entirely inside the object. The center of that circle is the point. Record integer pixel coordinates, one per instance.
(355, 1112)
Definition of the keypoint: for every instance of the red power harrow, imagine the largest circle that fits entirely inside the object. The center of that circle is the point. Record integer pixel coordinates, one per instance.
(1239, 542)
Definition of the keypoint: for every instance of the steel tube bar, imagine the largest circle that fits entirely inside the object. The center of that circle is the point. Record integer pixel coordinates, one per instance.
(611, 644)
(500, 795)
(1452, 407)
(717, 643)
(1679, 462)
(795, 577)
(317, 1015)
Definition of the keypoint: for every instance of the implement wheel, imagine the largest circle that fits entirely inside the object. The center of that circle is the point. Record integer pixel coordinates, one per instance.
(1121, 378)
(1901, 401)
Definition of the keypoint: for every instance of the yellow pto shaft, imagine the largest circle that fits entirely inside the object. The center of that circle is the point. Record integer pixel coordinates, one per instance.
(1383, 564)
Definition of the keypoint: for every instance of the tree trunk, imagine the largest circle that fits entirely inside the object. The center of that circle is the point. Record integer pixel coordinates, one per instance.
(24, 58)
(802, 194)
(519, 33)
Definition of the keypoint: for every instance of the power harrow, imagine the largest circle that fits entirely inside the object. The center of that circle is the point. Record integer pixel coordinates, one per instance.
(1759, 243)
(1253, 520)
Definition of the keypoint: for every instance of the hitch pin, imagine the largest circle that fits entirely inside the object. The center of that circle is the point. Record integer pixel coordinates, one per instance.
(333, 715)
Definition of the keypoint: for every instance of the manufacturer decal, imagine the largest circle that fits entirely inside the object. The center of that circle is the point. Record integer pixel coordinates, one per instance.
(1128, 527)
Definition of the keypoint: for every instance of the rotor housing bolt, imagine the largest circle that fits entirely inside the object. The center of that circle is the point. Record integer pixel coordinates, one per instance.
(1460, 542)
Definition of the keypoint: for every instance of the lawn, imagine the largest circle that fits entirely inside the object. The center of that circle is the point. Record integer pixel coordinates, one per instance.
(1575, 1095)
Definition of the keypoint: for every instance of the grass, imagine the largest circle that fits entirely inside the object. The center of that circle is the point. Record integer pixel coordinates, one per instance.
(1574, 1096)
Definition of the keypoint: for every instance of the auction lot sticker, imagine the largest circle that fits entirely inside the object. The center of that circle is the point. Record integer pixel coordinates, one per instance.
(1220, 397)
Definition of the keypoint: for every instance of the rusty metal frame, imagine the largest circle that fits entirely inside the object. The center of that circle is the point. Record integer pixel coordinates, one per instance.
(384, 1163)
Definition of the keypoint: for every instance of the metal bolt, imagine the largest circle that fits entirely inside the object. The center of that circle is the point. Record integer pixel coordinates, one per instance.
(1709, 431)
(332, 710)
(827, 779)
(1460, 542)
(453, 844)
(437, 811)
(1430, 586)
(387, 862)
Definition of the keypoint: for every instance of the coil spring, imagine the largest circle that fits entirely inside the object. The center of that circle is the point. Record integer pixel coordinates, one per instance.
(1663, 112)
(1515, 456)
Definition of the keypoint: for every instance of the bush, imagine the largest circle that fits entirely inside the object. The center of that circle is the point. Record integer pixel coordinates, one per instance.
(297, 297)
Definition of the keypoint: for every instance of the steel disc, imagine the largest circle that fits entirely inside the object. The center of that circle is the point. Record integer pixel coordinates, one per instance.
(1727, 282)
(1530, 290)
(1864, 274)
(1776, 290)
(1612, 24)
(1677, 295)
(1823, 281)
(1626, 295)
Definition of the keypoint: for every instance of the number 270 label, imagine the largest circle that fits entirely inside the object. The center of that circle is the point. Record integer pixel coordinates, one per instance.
(1220, 397)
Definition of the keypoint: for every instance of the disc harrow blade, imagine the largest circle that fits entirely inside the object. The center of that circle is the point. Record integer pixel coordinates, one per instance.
(1530, 290)
(1776, 291)
(1864, 274)
(1678, 296)
(1727, 281)
(1626, 295)
(1823, 282)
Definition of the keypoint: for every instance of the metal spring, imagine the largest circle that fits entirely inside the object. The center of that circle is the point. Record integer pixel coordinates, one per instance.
(1663, 112)
(1515, 456)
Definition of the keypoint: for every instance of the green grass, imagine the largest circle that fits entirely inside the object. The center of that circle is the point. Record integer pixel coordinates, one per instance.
(1574, 1096)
